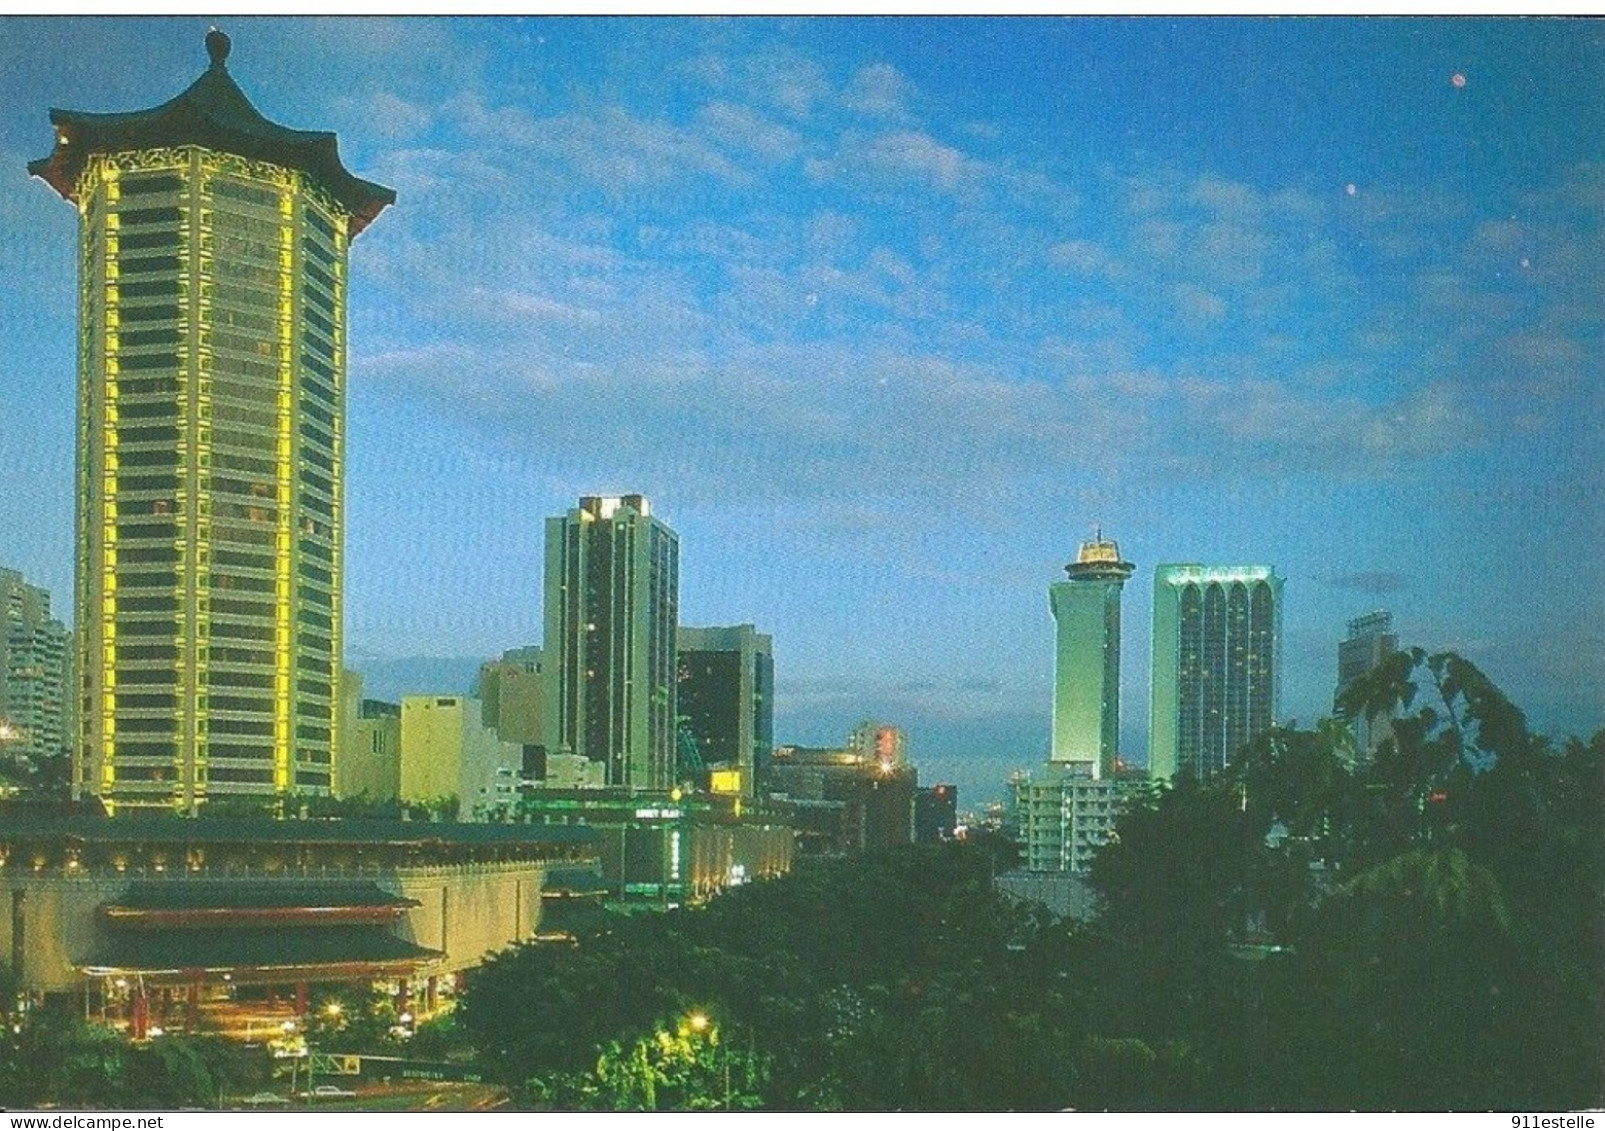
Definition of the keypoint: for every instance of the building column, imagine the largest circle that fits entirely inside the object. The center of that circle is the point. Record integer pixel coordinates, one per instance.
(300, 999)
(192, 1008)
(431, 994)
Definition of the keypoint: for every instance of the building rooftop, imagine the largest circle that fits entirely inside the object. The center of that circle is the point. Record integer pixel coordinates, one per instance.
(19, 823)
(287, 948)
(237, 895)
(213, 112)
(1099, 560)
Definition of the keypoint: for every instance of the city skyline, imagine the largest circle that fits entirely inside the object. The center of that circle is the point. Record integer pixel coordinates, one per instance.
(884, 341)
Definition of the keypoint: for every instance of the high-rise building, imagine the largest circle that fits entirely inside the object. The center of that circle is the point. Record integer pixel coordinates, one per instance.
(1216, 666)
(211, 386)
(35, 687)
(1086, 678)
(726, 687)
(1371, 640)
(612, 608)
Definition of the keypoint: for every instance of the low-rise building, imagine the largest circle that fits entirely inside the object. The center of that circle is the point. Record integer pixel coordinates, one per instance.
(158, 918)
(1065, 817)
(369, 765)
(447, 751)
(665, 849)
(849, 799)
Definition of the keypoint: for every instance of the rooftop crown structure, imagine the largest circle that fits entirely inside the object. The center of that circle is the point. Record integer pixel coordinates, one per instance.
(211, 388)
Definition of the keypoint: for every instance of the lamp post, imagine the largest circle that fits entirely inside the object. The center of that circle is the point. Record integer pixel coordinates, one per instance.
(700, 1023)
(288, 1029)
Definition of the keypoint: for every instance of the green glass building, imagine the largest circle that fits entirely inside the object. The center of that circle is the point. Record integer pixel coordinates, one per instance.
(1086, 679)
(211, 382)
(1217, 664)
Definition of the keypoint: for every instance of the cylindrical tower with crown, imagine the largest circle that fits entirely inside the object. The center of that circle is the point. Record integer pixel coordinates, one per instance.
(211, 386)
(1086, 683)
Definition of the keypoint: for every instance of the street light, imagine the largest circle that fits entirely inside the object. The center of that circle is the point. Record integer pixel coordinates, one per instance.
(288, 1029)
(701, 1023)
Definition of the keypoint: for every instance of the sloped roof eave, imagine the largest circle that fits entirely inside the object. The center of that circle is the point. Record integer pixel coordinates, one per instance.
(214, 113)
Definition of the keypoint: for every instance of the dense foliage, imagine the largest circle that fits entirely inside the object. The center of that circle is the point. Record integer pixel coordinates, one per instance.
(1419, 932)
(53, 1056)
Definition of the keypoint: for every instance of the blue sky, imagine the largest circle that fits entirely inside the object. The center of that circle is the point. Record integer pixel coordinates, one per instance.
(885, 315)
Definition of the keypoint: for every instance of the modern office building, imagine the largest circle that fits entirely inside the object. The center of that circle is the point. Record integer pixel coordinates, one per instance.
(447, 751)
(612, 609)
(35, 683)
(726, 687)
(1371, 640)
(1086, 677)
(1216, 664)
(211, 383)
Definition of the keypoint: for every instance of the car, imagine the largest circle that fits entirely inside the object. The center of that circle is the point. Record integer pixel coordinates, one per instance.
(264, 1099)
(330, 1092)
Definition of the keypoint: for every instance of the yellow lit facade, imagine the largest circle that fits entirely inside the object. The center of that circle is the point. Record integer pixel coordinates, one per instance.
(210, 448)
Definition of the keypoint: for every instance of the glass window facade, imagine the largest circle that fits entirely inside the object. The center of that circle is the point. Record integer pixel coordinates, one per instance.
(1216, 664)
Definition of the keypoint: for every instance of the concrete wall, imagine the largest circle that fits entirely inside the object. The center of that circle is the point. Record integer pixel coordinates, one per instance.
(471, 910)
(58, 924)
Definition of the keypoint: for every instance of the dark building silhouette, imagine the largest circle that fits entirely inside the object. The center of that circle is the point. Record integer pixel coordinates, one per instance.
(936, 813)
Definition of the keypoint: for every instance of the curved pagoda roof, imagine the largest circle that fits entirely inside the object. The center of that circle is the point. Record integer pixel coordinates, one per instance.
(213, 113)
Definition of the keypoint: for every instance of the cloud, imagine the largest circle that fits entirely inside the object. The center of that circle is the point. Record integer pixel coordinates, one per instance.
(1084, 257)
(389, 117)
(741, 127)
(1378, 582)
(844, 702)
(898, 160)
(1196, 305)
(878, 90)
(914, 325)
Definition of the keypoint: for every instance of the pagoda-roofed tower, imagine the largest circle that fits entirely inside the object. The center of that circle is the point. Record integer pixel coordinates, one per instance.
(211, 391)
(1086, 686)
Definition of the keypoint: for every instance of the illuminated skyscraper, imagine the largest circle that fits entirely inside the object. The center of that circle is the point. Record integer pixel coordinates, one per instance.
(1086, 680)
(211, 389)
(612, 608)
(1216, 670)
